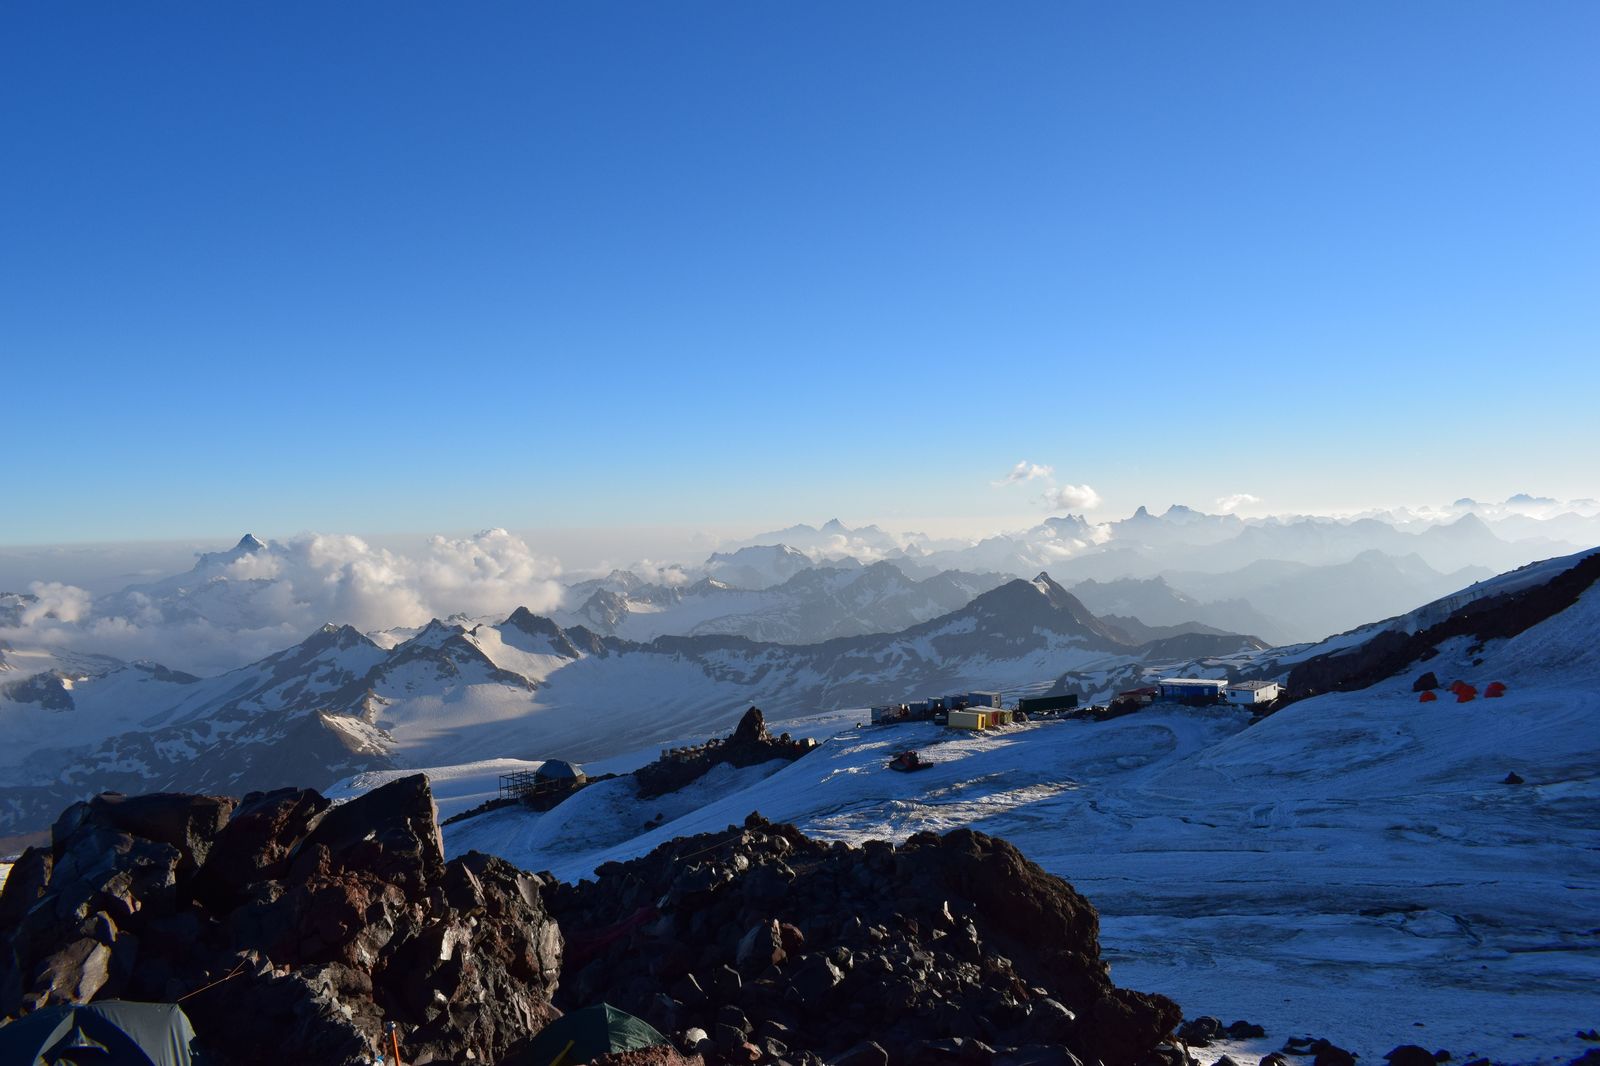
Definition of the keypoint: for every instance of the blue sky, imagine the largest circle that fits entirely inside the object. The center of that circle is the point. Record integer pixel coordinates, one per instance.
(396, 267)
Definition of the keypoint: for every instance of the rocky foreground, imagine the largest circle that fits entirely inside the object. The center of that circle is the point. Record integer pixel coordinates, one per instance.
(292, 931)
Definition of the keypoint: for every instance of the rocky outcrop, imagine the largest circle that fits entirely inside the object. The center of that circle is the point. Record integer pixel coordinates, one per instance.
(292, 930)
(749, 745)
(943, 949)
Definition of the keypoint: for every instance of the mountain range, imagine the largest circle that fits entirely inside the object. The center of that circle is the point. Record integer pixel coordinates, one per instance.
(341, 701)
(817, 602)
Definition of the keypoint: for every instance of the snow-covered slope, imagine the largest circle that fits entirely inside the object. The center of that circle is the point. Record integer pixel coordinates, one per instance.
(1353, 864)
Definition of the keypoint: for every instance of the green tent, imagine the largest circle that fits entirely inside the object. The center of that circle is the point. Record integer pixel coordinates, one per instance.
(589, 1033)
(111, 1033)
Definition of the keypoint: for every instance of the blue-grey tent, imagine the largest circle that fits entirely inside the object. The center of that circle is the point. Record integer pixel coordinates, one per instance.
(587, 1034)
(110, 1033)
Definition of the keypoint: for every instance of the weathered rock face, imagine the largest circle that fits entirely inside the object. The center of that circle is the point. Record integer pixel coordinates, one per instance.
(295, 930)
(943, 949)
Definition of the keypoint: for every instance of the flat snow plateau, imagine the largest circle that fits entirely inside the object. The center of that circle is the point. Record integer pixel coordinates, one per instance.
(1352, 867)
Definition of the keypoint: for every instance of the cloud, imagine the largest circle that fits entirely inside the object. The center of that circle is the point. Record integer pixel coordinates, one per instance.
(1072, 498)
(1230, 504)
(1026, 471)
(55, 602)
(237, 606)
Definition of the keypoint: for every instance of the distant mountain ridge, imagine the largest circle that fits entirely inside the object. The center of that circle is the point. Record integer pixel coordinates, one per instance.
(816, 603)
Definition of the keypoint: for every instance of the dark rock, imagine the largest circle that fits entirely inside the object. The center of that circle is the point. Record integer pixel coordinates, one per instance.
(734, 1019)
(72, 975)
(950, 1051)
(188, 823)
(1243, 1030)
(761, 947)
(1427, 682)
(815, 978)
(1331, 1055)
(255, 844)
(1513, 778)
(866, 1053)
(24, 886)
(1167, 1054)
(1201, 1031)
(1410, 1055)
(390, 833)
(752, 729)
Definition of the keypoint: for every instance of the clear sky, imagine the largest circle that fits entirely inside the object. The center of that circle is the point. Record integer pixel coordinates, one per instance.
(407, 266)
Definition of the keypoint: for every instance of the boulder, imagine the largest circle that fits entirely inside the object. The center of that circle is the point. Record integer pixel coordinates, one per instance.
(761, 947)
(866, 1053)
(255, 844)
(187, 823)
(1426, 683)
(1410, 1055)
(73, 974)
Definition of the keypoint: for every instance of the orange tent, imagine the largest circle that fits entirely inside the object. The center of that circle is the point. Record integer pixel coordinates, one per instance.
(1495, 690)
(1427, 697)
(1466, 694)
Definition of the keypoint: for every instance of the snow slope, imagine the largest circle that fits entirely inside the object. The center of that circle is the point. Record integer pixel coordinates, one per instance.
(1352, 866)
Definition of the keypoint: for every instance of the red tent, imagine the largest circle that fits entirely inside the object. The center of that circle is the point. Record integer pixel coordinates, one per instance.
(1495, 690)
(1466, 694)
(1428, 697)
(1458, 685)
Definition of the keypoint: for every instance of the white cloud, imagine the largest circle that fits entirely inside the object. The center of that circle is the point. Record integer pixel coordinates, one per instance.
(1072, 498)
(55, 602)
(1026, 471)
(232, 610)
(1230, 504)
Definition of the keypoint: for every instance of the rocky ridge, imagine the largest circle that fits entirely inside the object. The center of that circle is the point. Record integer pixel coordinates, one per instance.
(293, 930)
